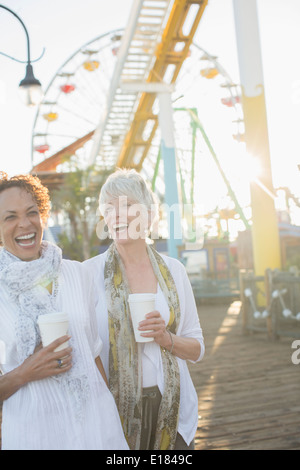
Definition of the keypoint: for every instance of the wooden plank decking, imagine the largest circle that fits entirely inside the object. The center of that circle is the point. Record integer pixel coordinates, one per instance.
(248, 387)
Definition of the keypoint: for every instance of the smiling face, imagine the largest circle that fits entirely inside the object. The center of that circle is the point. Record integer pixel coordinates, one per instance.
(126, 219)
(21, 226)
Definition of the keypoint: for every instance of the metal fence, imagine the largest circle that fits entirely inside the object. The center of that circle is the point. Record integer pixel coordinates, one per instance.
(271, 303)
(215, 285)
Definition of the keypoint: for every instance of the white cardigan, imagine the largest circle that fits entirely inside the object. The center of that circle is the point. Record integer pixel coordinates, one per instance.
(40, 415)
(189, 326)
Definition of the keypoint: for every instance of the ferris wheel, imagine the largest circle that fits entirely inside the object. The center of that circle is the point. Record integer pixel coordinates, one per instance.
(74, 98)
(204, 95)
(207, 108)
(208, 130)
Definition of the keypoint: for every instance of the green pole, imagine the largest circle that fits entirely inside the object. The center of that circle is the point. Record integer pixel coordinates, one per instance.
(210, 147)
(194, 130)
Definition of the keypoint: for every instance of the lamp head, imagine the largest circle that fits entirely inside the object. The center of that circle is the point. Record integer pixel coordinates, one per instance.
(30, 88)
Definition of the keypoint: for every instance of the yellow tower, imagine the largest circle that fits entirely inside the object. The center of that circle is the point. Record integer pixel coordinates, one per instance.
(265, 233)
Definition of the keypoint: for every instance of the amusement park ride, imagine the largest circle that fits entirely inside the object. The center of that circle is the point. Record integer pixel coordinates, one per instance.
(150, 56)
(155, 51)
(117, 102)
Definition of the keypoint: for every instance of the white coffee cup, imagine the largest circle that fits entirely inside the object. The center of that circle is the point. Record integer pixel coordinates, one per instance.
(53, 326)
(140, 305)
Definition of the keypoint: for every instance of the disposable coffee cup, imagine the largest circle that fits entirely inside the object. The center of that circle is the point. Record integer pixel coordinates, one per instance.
(140, 305)
(53, 326)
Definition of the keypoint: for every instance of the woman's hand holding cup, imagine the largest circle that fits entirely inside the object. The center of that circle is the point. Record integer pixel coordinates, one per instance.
(45, 362)
(157, 325)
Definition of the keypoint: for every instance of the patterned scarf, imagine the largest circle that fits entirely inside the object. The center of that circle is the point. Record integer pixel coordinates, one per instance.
(26, 284)
(125, 371)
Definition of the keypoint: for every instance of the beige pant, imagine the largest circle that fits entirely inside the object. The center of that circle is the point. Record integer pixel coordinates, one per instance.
(150, 406)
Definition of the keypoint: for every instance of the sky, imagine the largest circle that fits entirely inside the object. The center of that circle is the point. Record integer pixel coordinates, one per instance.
(62, 26)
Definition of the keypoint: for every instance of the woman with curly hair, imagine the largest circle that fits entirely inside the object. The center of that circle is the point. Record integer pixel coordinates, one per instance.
(51, 399)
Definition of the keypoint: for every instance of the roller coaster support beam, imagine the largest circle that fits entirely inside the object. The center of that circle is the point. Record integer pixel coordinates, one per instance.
(170, 173)
(265, 233)
(163, 92)
(122, 54)
(197, 123)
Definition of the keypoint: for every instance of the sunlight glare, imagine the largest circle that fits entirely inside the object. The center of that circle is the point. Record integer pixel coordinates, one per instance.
(252, 167)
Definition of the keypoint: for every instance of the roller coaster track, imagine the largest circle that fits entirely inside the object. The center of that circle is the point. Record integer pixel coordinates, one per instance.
(170, 55)
(155, 44)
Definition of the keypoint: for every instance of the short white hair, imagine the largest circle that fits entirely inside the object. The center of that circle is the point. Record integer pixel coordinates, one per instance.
(129, 183)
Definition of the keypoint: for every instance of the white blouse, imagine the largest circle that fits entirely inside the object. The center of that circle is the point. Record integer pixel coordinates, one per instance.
(189, 326)
(41, 414)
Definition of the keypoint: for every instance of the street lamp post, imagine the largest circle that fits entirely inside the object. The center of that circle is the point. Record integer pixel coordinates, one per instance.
(30, 88)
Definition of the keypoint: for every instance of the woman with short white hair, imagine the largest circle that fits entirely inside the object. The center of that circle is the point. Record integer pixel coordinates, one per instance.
(150, 381)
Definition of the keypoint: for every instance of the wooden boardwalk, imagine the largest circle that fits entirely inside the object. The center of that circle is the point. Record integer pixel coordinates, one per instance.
(248, 387)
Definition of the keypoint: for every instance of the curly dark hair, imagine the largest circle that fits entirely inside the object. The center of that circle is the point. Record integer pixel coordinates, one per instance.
(33, 186)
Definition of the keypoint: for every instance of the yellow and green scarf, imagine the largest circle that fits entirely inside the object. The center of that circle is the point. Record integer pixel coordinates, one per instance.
(125, 366)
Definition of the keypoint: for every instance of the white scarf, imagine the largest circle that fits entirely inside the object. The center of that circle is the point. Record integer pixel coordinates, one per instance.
(26, 282)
